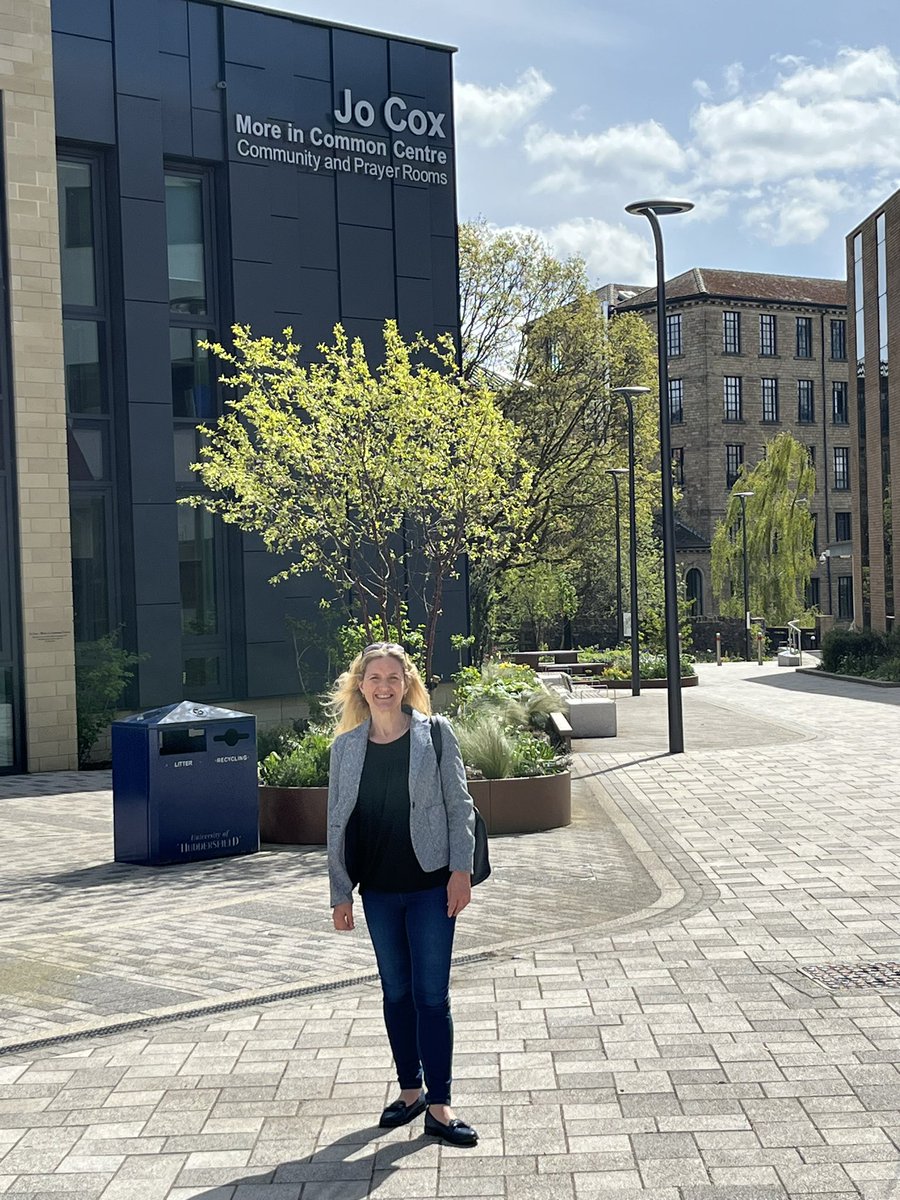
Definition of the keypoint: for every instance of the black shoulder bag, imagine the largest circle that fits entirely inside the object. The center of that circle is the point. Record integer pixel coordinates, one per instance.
(481, 863)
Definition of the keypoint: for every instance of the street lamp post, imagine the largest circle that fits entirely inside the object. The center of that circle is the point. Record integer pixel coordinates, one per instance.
(620, 627)
(743, 497)
(653, 210)
(629, 394)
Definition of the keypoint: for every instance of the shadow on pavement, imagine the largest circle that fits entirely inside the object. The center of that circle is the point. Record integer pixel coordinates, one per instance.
(828, 686)
(331, 1167)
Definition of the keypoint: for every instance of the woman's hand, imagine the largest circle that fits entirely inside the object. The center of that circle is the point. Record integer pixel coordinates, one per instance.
(342, 915)
(459, 892)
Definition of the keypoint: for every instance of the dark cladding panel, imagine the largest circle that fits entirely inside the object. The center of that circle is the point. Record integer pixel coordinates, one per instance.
(364, 200)
(147, 353)
(412, 217)
(152, 459)
(86, 18)
(258, 94)
(318, 221)
(175, 73)
(140, 148)
(314, 104)
(446, 280)
(253, 301)
(271, 669)
(258, 39)
(415, 304)
(367, 272)
(425, 73)
(307, 291)
(83, 82)
(144, 254)
(312, 51)
(251, 224)
(209, 142)
(173, 27)
(361, 64)
(206, 70)
(136, 40)
(159, 637)
(155, 529)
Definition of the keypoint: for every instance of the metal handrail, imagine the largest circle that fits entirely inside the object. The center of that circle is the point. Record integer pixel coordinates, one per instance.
(795, 640)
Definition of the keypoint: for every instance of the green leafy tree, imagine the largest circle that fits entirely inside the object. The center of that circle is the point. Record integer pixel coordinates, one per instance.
(346, 469)
(103, 670)
(779, 536)
(533, 321)
(536, 596)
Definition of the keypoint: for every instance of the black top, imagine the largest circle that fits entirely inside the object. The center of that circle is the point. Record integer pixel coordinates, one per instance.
(379, 826)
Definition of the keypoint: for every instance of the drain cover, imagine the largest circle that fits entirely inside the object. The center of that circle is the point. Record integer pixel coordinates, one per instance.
(874, 976)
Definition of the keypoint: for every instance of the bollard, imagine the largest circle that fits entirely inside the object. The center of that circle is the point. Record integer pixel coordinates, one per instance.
(759, 649)
(718, 649)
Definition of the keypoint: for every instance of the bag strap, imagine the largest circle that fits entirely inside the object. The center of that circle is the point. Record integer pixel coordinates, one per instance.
(437, 737)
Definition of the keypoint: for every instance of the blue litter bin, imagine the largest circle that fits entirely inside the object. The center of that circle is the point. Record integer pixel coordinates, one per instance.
(184, 784)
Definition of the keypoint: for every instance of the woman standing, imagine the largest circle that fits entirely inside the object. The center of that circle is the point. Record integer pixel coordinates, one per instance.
(401, 825)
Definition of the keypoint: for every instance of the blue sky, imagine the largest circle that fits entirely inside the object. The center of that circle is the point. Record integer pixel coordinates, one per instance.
(781, 120)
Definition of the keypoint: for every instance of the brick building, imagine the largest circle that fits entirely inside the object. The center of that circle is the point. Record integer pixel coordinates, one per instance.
(751, 355)
(873, 261)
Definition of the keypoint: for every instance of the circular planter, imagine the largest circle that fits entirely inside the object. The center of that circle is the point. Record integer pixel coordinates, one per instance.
(298, 816)
(293, 816)
(524, 805)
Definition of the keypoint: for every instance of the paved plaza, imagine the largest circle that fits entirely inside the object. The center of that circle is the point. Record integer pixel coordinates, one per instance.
(645, 1002)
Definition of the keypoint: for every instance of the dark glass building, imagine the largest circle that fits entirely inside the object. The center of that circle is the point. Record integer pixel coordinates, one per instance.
(213, 163)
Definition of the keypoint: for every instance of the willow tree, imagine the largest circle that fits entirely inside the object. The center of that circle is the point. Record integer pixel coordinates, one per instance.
(779, 536)
(381, 479)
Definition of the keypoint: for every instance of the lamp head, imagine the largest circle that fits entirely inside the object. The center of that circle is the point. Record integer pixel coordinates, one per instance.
(617, 470)
(660, 208)
(630, 391)
(745, 495)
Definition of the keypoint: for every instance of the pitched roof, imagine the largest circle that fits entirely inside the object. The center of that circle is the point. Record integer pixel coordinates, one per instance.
(746, 285)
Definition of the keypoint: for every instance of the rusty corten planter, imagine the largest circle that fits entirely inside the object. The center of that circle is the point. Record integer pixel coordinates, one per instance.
(298, 816)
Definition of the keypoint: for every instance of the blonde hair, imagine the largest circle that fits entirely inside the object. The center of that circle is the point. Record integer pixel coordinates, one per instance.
(347, 702)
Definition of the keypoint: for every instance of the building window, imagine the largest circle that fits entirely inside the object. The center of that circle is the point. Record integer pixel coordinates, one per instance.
(845, 597)
(805, 402)
(804, 337)
(86, 368)
(734, 400)
(840, 408)
(185, 228)
(769, 388)
(678, 466)
(768, 341)
(193, 379)
(734, 460)
(812, 593)
(676, 401)
(731, 333)
(841, 468)
(842, 531)
(839, 339)
(673, 333)
(693, 587)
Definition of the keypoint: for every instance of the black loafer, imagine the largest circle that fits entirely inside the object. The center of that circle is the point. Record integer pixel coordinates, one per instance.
(456, 1132)
(398, 1113)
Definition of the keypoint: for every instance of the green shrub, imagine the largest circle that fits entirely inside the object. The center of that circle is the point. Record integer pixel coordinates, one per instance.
(306, 765)
(855, 652)
(487, 746)
(278, 739)
(512, 694)
(103, 670)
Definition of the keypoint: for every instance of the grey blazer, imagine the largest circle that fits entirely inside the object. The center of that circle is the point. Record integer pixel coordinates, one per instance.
(441, 814)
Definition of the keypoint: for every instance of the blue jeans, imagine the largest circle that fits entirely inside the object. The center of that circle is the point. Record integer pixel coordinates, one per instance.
(413, 940)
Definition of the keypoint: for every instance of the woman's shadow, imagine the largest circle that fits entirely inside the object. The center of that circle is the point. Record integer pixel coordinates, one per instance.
(339, 1168)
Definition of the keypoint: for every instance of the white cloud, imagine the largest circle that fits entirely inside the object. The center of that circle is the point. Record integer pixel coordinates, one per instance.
(702, 88)
(612, 252)
(486, 115)
(622, 154)
(733, 76)
(840, 117)
(798, 212)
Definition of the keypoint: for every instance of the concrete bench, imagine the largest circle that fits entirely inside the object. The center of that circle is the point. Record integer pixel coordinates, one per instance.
(592, 714)
(562, 728)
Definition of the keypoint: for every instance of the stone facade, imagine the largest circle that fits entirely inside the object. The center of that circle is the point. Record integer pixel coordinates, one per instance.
(701, 437)
(39, 413)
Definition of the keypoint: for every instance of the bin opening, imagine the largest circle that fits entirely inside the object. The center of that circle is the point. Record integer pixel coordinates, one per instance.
(231, 737)
(182, 741)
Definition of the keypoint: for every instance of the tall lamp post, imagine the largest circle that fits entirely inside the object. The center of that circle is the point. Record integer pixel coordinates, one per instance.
(620, 626)
(653, 210)
(629, 394)
(744, 497)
